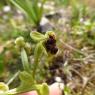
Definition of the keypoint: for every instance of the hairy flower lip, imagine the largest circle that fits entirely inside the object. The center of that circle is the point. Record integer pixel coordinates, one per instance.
(50, 44)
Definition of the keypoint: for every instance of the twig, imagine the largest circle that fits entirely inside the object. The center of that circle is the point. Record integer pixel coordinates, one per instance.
(77, 73)
(74, 49)
(88, 80)
(89, 58)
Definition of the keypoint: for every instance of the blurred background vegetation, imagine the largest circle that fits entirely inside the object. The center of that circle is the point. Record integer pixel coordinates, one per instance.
(73, 21)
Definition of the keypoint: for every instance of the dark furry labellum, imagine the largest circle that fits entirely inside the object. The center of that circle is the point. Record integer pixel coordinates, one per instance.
(50, 45)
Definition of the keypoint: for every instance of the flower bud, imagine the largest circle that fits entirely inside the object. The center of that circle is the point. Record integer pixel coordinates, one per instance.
(28, 48)
(20, 42)
(3, 87)
(9, 44)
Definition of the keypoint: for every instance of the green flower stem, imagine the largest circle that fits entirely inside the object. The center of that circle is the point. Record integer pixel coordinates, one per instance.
(37, 55)
(36, 62)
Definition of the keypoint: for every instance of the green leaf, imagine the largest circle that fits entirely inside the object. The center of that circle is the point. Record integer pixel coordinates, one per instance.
(36, 36)
(31, 9)
(27, 82)
(27, 7)
(24, 59)
(26, 78)
(41, 9)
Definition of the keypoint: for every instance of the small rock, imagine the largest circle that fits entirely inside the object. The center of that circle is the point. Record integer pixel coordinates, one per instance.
(45, 25)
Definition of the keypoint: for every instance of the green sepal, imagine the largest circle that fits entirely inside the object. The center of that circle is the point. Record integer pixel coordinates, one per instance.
(36, 36)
